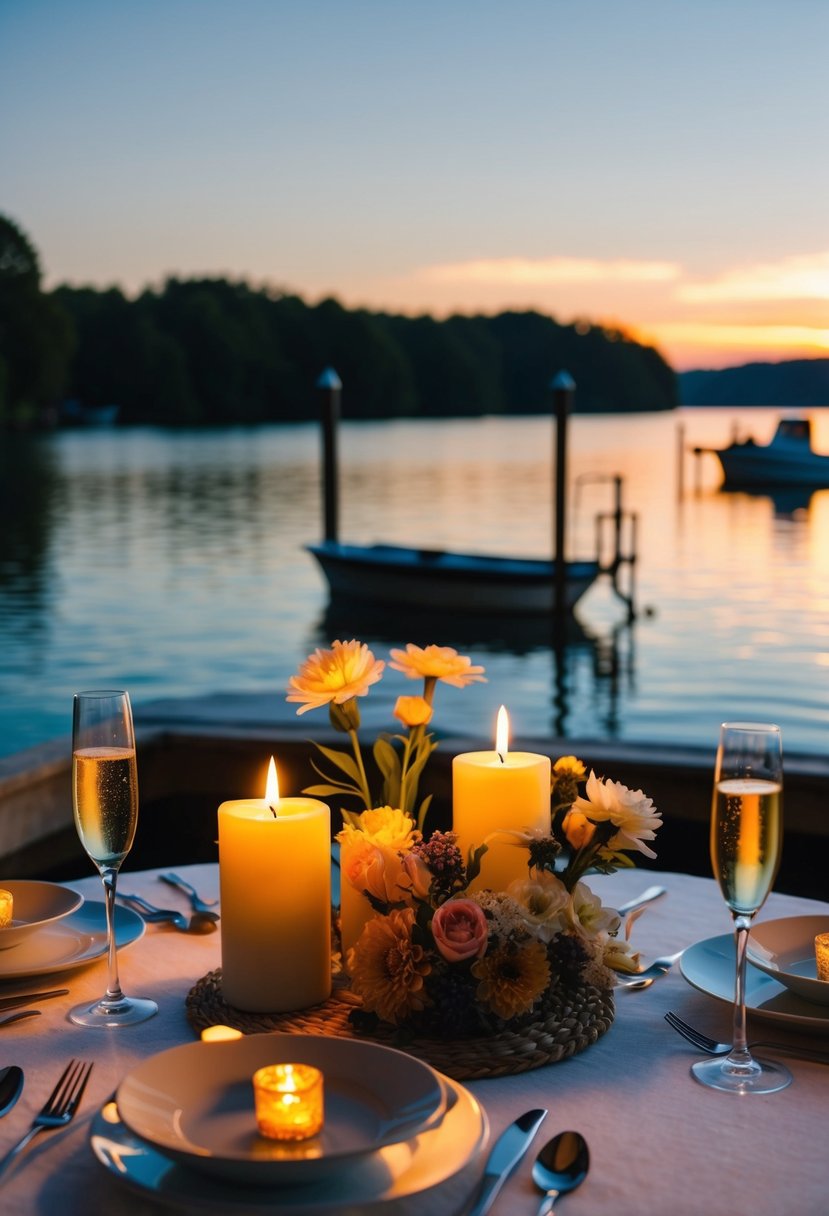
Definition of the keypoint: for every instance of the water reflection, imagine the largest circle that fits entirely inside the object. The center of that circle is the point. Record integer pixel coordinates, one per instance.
(174, 565)
(584, 662)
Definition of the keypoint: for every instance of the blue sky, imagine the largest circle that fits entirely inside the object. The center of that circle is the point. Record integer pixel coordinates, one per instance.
(658, 165)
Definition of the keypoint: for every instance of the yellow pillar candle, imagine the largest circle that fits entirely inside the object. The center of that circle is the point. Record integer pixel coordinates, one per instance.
(275, 880)
(6, 908)
(289, 1101)
(498, 790)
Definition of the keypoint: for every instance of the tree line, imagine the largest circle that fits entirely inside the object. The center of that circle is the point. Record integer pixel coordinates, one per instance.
(215, 352)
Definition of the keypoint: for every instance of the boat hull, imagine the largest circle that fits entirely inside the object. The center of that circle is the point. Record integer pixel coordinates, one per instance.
(761, 467)
(458, 582)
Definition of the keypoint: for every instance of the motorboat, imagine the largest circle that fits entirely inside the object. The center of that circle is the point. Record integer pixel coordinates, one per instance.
(788, 460)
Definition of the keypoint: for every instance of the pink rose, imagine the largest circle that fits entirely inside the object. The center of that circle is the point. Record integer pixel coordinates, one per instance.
(460, 930)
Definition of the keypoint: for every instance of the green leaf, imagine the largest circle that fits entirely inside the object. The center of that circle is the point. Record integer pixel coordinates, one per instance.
(422, 813)
(342, 761)
(343, 786)
(387, 759)
(323, 791)
(473, 863)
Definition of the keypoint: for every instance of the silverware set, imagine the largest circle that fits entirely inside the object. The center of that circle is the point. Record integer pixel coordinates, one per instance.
(199, 922)
(57, 1111)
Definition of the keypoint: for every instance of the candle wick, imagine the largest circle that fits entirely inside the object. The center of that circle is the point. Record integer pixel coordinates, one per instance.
(500, 757)
(272, 809)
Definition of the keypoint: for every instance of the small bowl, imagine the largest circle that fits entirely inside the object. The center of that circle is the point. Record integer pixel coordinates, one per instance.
(785, 950)
(36, 905)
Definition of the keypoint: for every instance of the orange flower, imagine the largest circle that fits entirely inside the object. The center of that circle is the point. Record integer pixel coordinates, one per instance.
(347, 670)
(387, 969)
(438, 663)
(413, 711)
(512, 977)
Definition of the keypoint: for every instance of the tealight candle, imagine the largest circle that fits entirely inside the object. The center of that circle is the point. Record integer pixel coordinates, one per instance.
(220, 1034)
(275, 879)
(822, 955)
(289, 1101)
(6, 908)
(493, 791)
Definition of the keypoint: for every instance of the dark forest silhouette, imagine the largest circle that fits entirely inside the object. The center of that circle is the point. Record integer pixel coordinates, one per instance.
(217, 352)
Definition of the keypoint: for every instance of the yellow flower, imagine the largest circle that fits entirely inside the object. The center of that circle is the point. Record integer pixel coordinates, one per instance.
(512, 977)
(569, 764)
(413, 711)
(387, 969)
(439, 663)
(347, 670)
(384, 825)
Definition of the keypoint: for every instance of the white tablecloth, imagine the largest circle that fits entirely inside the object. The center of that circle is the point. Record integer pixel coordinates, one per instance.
(659, 1142)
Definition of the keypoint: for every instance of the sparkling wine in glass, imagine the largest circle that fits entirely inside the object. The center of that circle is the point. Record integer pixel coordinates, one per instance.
(746, 839)
(105, 801)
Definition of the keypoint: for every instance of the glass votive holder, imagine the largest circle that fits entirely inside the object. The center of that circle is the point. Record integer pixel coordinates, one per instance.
(6, 908)
(220, 1034)
(822, 955)
(289, 1101)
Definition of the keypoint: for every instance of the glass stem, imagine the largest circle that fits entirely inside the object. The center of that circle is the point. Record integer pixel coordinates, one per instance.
(114, 993)
(739, 1048)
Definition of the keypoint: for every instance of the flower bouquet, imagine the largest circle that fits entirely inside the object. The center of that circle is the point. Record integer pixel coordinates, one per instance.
(429, 951)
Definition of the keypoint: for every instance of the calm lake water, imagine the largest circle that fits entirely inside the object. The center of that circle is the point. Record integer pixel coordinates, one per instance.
(173, 564)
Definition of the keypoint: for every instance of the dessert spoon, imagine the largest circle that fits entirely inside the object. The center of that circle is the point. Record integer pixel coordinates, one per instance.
(11, 1087)
(560, 1167)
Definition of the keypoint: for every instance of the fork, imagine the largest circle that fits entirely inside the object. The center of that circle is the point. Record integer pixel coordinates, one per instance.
(712, 1048)
(58, 1109)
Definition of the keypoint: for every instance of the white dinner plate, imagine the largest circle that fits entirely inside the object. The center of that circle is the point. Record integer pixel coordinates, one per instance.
(35, 905)
(785, 950)
(195, 1103)
(72, 942)
(435, 1172)
(710, 966)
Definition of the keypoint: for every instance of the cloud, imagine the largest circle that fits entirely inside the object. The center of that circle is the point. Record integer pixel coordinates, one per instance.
(801, 277)
(554, 271)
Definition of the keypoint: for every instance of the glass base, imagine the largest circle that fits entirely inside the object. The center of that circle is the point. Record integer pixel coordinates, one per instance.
(755, 1077)
(127, 1011)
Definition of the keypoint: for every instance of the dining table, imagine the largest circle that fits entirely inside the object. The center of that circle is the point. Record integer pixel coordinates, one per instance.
(659, 1141)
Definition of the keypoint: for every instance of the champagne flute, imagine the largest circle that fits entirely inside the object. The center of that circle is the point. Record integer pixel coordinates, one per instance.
(105, 801)
(746, 839)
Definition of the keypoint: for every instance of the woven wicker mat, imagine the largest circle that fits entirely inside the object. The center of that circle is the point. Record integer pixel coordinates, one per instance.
(572, 1020)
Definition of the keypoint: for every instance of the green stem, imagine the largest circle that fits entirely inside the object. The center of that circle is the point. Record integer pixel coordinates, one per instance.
(358, 756)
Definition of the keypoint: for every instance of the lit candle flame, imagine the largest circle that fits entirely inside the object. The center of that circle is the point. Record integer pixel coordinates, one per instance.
(272, 788)
(502, 734)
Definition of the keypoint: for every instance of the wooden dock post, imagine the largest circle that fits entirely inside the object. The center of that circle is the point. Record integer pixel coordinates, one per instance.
(563, 386)
(330, 385)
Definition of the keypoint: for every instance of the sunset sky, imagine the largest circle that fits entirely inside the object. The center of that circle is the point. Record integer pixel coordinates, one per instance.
(655, 164)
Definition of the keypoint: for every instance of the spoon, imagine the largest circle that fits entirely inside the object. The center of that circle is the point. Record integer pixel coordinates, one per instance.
(199, 922)
(560, 1167)
(11, 1087)
(644, 979)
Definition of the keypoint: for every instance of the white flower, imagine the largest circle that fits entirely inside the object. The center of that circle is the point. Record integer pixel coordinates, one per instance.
(630, 811)
(543, 901)
(586, 914)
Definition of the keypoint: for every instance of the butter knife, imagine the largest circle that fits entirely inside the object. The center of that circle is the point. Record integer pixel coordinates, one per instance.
(506, 1152)
(646, 897)
(29, 998)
